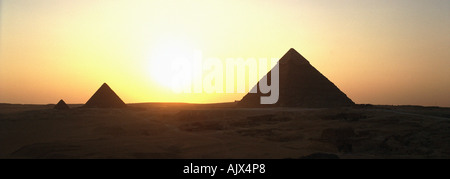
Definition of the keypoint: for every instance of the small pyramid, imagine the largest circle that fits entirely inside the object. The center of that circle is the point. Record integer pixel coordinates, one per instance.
(105, 97)
(301, 85)
(61, 105)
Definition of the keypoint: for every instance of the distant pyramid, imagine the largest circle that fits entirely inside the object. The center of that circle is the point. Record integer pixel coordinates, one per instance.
(61, 105)
(105, 97)
(301, 85)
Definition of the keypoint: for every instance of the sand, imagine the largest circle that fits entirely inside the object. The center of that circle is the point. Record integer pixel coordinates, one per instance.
(164, 130)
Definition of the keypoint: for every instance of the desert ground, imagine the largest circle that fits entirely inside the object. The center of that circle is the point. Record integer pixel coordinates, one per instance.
(216, 131)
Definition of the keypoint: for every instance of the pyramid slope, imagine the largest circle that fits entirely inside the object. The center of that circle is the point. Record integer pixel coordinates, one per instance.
(105, 97)
(301, 85)
(61, 105)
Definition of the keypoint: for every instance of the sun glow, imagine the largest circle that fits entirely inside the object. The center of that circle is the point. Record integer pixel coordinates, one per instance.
(164, 63)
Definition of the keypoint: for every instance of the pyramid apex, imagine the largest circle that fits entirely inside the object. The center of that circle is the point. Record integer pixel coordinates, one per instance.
(104, 85)
(61, 105)
(292, 57)
(293, 51)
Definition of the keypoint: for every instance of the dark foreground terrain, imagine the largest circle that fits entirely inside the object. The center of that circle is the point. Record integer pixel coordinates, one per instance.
(158, 130)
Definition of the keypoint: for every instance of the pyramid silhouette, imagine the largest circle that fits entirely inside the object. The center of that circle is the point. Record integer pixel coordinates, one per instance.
(61, 105)
(105, 97)
(301, 85)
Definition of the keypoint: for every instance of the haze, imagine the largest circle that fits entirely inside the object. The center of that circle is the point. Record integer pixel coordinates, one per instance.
(379, 52)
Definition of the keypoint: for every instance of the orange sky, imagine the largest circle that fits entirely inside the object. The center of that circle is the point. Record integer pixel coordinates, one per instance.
(379, 52)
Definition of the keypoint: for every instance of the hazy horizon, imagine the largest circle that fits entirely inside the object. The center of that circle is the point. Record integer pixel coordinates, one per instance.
(377, 52)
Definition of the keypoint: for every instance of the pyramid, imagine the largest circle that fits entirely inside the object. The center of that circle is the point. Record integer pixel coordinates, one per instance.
(61, 105)
(105, 97)
(301, 85)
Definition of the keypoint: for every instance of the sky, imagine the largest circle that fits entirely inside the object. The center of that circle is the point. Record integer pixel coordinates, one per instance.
(378, 52)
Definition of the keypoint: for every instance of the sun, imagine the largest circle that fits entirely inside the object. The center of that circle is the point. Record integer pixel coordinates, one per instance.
(164, 66)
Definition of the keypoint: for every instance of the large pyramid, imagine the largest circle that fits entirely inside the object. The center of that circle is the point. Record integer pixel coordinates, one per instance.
(61, 105)
(301, 85)
(105, 97)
